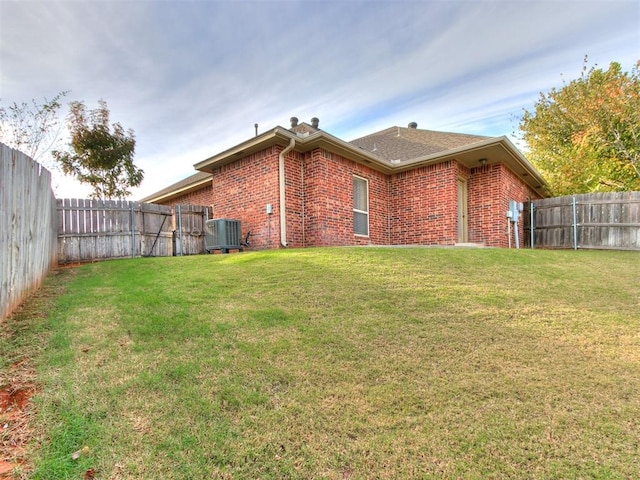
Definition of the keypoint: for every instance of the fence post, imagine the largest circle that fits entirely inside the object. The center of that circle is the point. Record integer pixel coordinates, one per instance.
(575, 224)
(179, 227)
(531, 226)
(133, 235)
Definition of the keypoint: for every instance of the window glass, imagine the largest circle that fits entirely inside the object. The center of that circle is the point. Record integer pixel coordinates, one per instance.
(360, 206)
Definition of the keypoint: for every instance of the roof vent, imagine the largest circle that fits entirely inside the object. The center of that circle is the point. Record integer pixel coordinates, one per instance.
(294, 122)
(315, 121)
(413, 125)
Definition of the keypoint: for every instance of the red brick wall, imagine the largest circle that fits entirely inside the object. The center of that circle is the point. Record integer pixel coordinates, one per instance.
(486, 206)
(242, 189)
(202, 196)
(318, 205)
(328, 181)
(490, 189)
(295, 199)
(423, 205)
(316, 177)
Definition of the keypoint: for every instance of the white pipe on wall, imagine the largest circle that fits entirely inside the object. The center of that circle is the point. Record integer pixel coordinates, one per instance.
(283, 211)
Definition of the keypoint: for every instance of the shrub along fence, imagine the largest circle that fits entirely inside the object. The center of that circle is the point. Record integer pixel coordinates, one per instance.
(90, 230)
(27, 227)
(608, 221)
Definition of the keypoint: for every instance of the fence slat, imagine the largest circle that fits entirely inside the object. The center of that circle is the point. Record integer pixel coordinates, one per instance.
(602, 221)
(27, 227)
(121, 229)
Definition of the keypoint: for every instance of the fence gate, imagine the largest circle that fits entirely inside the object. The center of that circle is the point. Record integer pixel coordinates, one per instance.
(90, 230)
(188, 229)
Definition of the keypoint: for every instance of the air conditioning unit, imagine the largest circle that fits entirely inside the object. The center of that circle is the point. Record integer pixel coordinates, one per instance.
(222, 234)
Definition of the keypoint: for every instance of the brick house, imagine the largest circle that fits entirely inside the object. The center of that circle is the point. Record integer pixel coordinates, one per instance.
(302, 187)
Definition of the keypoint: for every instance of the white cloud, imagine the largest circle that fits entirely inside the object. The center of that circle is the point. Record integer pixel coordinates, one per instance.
(192, 77)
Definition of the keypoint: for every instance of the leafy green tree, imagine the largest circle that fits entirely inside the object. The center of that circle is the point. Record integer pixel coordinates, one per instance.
(585, 136)
(32, 128)
(100, 154)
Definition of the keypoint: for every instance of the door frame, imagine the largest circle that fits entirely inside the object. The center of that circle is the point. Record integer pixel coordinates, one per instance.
(462, 198)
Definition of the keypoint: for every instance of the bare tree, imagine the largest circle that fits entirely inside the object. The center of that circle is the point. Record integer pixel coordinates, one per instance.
(33, 128)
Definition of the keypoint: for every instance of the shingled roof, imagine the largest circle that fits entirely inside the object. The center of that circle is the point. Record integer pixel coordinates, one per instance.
(400, 144)
(391, 150)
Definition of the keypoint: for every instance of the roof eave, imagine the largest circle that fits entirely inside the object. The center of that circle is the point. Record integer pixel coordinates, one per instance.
(304, 143)
(175, 193)
(471, 154)
(524, 164)
(275, 136)
(501, 147)
(324, 140)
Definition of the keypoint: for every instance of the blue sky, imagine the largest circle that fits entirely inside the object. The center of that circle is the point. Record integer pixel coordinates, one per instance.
(191, 78)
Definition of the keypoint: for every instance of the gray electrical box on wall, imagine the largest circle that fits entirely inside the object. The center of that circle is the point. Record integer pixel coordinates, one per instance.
(269, 209)
(514, 210)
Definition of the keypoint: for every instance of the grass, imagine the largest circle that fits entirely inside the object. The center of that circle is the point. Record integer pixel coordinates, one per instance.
(346, 363)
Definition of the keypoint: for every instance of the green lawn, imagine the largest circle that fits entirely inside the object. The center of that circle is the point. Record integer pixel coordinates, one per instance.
(345, 363)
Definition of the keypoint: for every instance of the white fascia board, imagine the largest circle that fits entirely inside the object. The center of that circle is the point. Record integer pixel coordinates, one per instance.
(322, 139)
(236, 150)
(175, 193)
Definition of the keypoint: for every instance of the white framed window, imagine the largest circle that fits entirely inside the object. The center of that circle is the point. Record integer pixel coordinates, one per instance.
(360, 206)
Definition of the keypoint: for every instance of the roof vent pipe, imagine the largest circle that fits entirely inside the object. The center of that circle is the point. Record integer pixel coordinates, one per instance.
(413, 125)
(255, 125)
(294, 122)
(315, 121)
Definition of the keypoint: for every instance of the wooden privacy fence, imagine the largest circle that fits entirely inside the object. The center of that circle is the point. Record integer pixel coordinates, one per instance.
(27, 227)
(608, 221)
(90, 230)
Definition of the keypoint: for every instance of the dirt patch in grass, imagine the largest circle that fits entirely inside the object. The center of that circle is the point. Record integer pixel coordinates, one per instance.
(18, 375)
(14, 424)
